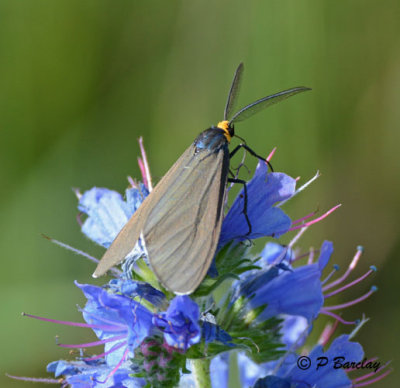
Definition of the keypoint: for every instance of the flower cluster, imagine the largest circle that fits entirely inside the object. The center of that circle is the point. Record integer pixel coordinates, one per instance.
(150, 337)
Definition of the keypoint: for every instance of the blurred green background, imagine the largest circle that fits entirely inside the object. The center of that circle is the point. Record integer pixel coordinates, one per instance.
(80, 81)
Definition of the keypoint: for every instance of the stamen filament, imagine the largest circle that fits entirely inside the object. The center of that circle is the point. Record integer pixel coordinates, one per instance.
(327, 333)
(301, 188)
(364, 377)
(345, 287)
(147, 174)
(101, 355)
(116, 367)
(69, 323)
(132, 182)
(350, 268)
(303, 218)
(310, 257)
(378, 378)
(365, 361)
(335, 269)
(271, 154)
(296, 237)
(92, 344)
(337, 317)
(316, 219)
(353, 302)
(68, 247)
(35, 379)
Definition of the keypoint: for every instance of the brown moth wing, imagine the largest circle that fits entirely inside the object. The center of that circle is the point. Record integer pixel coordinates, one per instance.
(130, 233)
(181, 235)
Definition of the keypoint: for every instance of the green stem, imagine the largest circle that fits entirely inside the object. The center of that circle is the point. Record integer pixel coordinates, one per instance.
(201, 371)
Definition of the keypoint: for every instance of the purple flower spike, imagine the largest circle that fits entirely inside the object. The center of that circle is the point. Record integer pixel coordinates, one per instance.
(263, 191)
(180, 323)
(108, 212)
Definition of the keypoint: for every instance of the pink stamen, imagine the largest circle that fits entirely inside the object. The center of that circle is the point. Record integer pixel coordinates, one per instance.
(116, 367)
(79, 219)
(337, 317)
(143, 171)
(92, 344)
(368, 375)
(327, 333)
(113, 349)
(296, 237)
(302, 256)
(303, 218)
(77, 193)
(316, 219)
(350, 268)
(378, 378)
(145, 165)
(335, 269)
(132, 182)
(364, 362)
(36, 380)
(271, 154)
(353, 302)
(78, 324)
(311, 257)
(360, 279)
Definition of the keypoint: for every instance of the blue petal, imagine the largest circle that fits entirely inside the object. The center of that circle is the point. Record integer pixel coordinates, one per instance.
(180, 323)
(325, 254)
(273, 253)
(212, 332)
(251, 284)
(133, 289)
(263, 191)
(328, 376)
(61, 368)
(272, 382)
(219, 371)
(293, 331)
(250, 371)
(293, 293)
(82, 374)
(117, 315)
(108, 212)
(97, 377)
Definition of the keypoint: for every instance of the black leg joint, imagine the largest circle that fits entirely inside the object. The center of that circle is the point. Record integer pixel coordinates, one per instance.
(244, 183)
(247, 148)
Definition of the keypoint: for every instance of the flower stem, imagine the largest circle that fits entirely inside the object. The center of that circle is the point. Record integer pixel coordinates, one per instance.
(201, 371)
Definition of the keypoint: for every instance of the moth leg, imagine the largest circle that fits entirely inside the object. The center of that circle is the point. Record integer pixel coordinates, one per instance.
(244, 183)
(247, 148)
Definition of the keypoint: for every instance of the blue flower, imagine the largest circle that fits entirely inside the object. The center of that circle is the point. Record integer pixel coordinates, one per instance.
(81, 374)
(134, 289)
(290, 375)
(108, 212)
(264, 190)
(180, 323)
(296, 292)
(118, 321)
